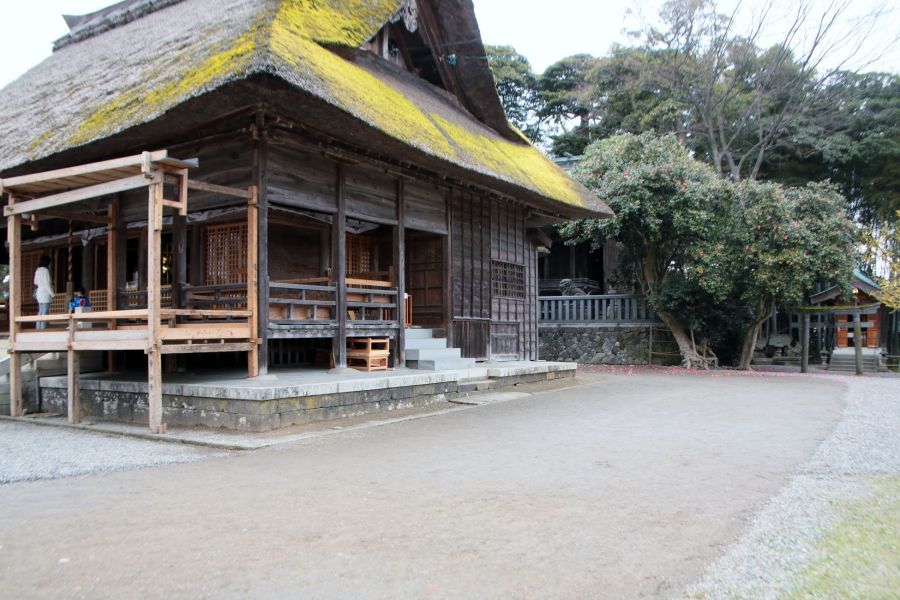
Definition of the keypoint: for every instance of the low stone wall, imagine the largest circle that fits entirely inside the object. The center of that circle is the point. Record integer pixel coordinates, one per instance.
(588, 345)
(267, 408)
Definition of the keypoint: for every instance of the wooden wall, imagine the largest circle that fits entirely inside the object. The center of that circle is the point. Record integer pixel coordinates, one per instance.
(493, 279)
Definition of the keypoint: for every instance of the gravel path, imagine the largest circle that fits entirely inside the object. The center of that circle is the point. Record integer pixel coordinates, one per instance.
(784, 537)
(29, 453)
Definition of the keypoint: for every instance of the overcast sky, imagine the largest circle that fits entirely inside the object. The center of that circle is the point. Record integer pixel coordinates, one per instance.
(542, 31)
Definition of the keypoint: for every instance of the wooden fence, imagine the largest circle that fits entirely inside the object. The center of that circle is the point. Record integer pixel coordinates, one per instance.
(609, 308)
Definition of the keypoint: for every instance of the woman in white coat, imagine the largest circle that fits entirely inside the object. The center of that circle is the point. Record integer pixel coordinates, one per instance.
(43, 289)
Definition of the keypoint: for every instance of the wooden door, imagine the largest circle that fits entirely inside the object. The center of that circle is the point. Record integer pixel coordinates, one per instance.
(425, 278)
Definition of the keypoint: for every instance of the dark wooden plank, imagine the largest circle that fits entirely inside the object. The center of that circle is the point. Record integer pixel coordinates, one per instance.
(339, 262)
(400, 275)
(261, 181)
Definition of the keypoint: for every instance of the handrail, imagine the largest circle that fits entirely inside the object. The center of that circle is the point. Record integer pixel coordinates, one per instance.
(606, 308)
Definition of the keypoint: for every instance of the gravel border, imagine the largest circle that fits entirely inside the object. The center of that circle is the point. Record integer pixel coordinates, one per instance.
(30, 453)
(784, 537)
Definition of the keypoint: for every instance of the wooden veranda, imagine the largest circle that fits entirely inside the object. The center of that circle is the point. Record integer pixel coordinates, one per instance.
(199, 326)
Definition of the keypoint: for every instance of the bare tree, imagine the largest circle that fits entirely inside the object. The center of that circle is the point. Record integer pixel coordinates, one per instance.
(744, 95)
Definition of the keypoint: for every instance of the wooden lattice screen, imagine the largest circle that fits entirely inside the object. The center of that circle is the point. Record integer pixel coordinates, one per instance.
(508, 279)
(226, 253)
(359, 253)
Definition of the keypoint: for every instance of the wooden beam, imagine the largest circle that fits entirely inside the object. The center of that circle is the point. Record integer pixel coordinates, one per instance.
(14, 305)
(339, 268)
(207, 348)
(400, 277)
(75, 216)
(106, 165)
(73, 388)
(261, 182)
(179, 259)
(202, 186)
(85, 193)
(253, 278)
(154, 273)
(447, 263)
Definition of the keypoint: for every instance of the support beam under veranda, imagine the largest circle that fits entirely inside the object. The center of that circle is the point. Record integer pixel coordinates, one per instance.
(14, 235)
(154, 275)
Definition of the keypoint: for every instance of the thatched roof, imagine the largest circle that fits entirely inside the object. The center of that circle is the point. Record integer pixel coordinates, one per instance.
(129, 67)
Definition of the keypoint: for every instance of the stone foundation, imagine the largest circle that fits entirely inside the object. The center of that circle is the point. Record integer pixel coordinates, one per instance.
(584, 344)
(258, 408)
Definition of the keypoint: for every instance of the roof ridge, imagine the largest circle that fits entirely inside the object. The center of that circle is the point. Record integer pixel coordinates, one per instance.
(92, 24)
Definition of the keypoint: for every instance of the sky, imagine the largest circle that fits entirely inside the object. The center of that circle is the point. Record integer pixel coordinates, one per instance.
(542, 31)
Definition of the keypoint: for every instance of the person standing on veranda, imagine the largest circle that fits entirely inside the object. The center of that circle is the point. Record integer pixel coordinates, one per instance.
(43, 291)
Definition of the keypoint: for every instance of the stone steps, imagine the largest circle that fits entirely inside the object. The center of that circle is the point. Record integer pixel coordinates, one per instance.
(426, 349)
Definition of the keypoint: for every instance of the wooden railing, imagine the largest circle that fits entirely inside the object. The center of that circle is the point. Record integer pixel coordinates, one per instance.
(314, 301)
(371, 305)
(302, 302)
(609, 308)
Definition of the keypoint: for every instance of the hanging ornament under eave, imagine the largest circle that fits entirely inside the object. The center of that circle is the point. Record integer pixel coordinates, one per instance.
(409, 13)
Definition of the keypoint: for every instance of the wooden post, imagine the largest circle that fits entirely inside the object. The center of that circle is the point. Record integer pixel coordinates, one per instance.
(857, 342)
(112, 263)
(339, 268)
(143, 249)
(154, 273)
(73, 368)
(447, 265)
(179, 260)
(121, 252)
(14, 235)
(253, 278)
(261, 180)
(400, 278)
(804, 339)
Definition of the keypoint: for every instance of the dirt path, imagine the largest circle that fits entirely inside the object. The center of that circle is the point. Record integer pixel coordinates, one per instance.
(625, 487)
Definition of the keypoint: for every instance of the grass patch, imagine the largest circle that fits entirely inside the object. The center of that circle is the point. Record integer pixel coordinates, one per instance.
(861, 555)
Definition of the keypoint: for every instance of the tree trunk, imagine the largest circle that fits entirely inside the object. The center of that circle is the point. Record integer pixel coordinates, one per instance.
(690, 358)
(749, 345)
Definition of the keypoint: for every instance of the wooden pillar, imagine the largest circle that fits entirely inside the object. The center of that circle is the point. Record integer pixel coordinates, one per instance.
(261, 181)
(14, 237)
(121, 252)
(804, 339)
(154, 274)
(339, 268)
(87, 266)
(857, 342)
(143, 249)
(179, 259)
(196, 260)
(400, 277)
(253, 278)
(73, 374)
(447, 258)
(112, 265)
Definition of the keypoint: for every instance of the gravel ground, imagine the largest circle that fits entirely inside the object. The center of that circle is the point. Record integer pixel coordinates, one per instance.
(30, 452)
(785, 536)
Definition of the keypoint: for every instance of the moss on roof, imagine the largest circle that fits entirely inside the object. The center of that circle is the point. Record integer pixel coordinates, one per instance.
(284, 37)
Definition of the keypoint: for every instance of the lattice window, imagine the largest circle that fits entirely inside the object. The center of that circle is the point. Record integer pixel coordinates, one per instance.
(226, 253)
(507, 279)
(360, 250)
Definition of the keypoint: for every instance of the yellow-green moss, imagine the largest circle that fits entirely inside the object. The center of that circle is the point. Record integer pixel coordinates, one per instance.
(518, 163)
(134, 105)
(354, 89)
(345, 22)
(290, 38)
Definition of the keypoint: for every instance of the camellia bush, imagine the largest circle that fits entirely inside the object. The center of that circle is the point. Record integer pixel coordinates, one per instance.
(710, 256)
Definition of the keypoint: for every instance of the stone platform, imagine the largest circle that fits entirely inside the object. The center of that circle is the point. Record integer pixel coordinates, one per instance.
(285, 397)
